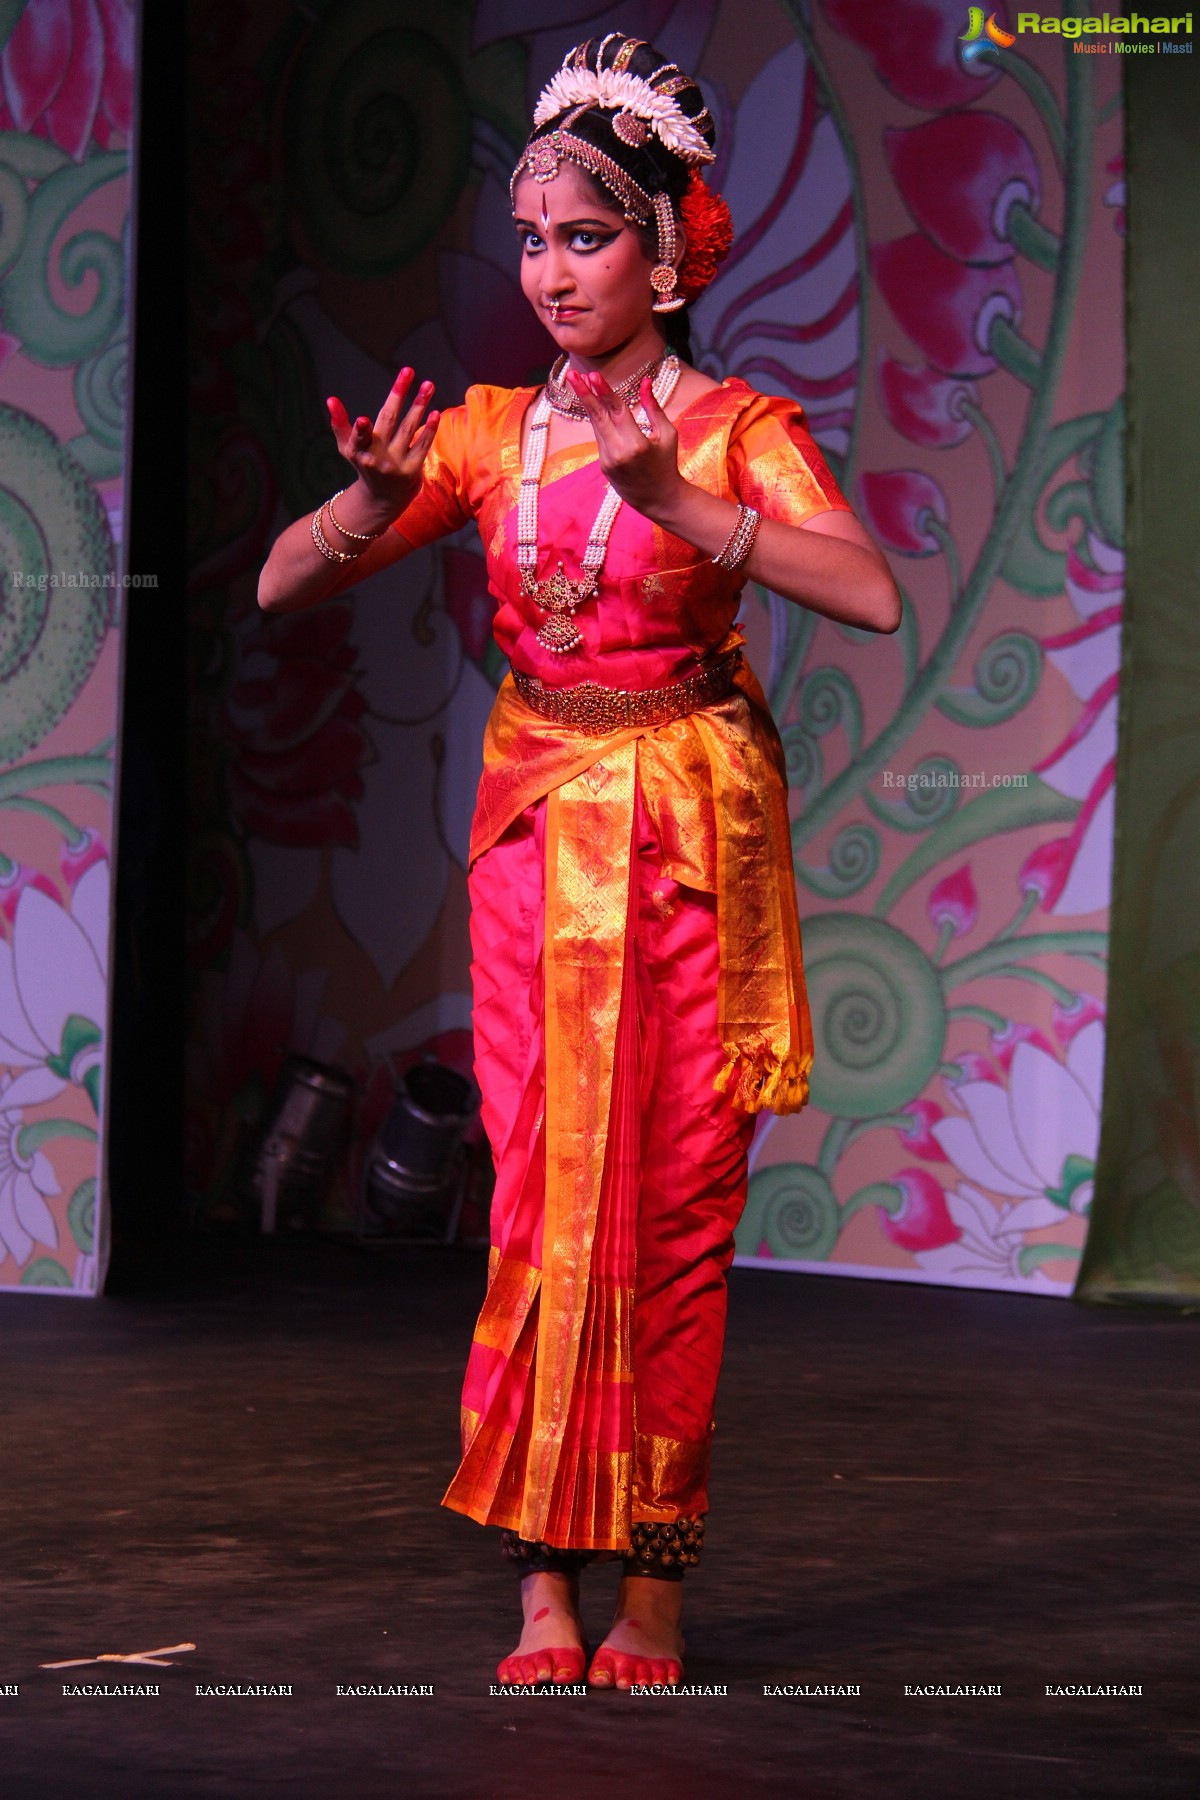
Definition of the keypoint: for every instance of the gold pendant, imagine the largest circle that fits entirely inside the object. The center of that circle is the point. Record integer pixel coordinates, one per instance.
(559, 594)
(559, 597)
(559, 633)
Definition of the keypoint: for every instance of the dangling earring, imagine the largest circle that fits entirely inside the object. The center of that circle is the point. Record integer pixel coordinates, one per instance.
(662, 276)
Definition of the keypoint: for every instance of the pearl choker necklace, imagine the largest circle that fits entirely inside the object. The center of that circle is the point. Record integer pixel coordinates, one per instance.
(559, 597)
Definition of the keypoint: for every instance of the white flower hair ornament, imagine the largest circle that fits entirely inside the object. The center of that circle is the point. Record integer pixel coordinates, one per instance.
(631, 97)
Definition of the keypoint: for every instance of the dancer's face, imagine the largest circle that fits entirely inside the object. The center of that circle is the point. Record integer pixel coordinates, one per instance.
(577, 250)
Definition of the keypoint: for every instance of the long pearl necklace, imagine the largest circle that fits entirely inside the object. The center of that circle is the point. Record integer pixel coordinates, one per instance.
(559, 597)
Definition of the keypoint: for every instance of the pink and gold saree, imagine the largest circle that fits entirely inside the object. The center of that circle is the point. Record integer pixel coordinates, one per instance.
(638, 982)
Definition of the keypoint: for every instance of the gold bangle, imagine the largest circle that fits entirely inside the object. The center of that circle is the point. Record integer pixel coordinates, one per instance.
(740, 541)
(326, 549)
(360, 537)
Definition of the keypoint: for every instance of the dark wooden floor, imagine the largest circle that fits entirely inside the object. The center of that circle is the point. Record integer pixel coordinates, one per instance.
(911, 1486)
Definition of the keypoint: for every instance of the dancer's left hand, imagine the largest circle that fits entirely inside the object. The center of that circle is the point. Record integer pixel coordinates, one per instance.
(643, 470)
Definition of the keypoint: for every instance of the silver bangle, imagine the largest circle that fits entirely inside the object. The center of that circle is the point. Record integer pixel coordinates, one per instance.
(740, 541)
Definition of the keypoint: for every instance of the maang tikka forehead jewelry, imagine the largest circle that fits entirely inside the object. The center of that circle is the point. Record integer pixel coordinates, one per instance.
(543, 156)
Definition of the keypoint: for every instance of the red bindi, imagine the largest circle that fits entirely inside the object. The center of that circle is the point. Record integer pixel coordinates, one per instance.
(540, 1614)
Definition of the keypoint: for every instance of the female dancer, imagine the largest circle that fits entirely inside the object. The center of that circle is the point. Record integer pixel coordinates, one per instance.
(638, 985)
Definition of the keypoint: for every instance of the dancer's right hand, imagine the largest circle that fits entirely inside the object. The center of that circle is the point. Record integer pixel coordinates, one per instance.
(387, 457)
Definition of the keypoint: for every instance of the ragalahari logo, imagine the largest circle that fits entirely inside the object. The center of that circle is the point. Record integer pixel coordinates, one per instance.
(980, 35)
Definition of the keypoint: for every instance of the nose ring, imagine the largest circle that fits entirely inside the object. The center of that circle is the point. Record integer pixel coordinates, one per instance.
(554, 306)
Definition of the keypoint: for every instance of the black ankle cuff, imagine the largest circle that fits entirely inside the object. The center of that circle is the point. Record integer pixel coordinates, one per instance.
(664, 1549)
(529, 1557)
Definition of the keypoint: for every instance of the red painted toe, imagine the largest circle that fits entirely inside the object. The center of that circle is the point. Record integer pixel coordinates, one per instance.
(568, 1665)
(534, 1667)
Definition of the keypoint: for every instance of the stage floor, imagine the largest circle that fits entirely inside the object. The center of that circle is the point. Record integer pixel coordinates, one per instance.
(913, 1487)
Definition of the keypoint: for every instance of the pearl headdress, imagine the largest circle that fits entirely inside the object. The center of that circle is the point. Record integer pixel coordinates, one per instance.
(624, 94)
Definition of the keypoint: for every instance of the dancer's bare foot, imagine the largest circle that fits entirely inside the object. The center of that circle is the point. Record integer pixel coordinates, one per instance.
(645, 1644)
(551, 1646)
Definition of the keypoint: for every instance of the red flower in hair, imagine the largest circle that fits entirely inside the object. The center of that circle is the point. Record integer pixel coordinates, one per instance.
(709, 228)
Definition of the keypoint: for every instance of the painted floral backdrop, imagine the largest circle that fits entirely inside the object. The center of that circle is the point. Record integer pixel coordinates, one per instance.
(66, 99)
(928, 256)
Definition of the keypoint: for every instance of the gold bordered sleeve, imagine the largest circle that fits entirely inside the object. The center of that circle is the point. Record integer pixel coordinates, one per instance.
(462, 462)
(775, 465)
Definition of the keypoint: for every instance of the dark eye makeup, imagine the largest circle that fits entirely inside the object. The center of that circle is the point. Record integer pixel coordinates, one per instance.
(587, 239)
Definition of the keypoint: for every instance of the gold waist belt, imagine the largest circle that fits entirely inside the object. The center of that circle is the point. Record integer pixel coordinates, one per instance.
(596, 709)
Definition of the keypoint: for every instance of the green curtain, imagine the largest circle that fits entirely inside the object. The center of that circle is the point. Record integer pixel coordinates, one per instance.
(1144, 1241)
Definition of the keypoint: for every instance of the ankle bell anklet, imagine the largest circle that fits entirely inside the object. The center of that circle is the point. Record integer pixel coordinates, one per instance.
(529, 1557)
(661, 1549)
(664, 1549)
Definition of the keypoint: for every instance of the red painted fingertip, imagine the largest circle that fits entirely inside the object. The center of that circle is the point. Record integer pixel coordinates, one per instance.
(597, 383)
